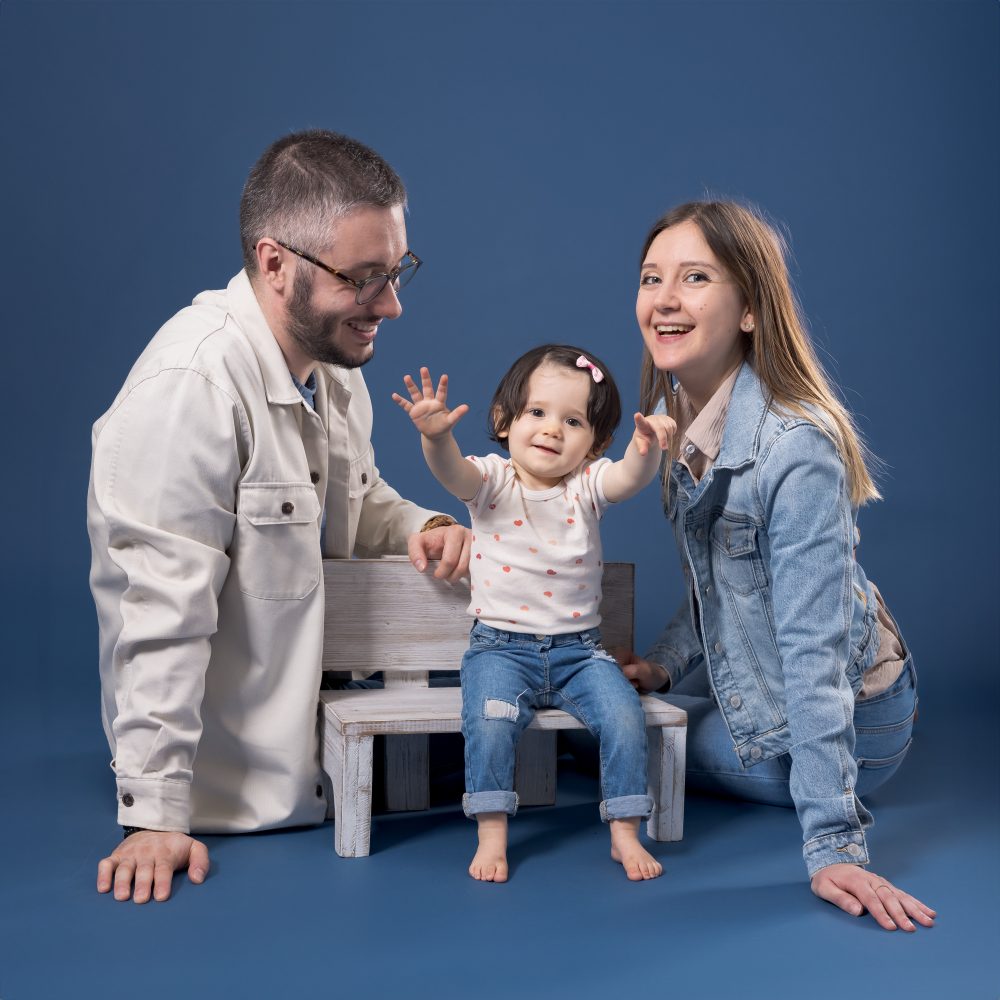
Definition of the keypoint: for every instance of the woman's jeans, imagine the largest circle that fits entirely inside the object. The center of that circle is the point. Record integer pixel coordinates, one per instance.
(507, 675)
(883, 726)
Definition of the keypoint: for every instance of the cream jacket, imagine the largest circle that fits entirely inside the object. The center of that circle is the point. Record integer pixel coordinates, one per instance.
(208, 481)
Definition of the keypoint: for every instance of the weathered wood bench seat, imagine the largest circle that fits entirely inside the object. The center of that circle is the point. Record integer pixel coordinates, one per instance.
(381, 615)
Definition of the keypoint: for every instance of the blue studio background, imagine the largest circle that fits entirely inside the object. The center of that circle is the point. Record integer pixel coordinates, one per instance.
(538, 142)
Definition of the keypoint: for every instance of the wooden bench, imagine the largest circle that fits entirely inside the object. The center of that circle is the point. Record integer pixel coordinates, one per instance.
(382, 615)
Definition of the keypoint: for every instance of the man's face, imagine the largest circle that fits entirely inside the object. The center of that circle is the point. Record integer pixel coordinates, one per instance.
(323, 319)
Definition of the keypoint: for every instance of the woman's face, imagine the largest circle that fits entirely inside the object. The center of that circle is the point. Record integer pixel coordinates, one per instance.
(691, 313)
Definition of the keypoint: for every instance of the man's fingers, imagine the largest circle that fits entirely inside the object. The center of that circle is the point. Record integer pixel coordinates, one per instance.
(105, 874)
(123, 878)
(143, 886)
(198, 863)
(163, 874)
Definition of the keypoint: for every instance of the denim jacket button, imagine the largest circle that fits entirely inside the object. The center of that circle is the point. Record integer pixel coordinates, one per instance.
(718, 647)
(735, 700)
(853, 850)
(755, 754)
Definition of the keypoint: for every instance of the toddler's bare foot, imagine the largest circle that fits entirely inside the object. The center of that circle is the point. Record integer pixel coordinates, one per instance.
(490, 862)
(638, 863)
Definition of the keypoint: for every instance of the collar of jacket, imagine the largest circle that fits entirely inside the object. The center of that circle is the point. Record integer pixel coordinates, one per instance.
(745, 421)
(250, 319)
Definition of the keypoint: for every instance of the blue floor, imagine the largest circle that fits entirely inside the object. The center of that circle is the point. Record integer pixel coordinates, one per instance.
(282, 916)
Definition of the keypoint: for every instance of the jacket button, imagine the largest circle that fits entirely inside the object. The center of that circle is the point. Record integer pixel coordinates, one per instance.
(853, 850)
(718, 647)
(314, 477)
(127, 799)
(755, 753)
(287, 507)
(735, 700)
(364, 478)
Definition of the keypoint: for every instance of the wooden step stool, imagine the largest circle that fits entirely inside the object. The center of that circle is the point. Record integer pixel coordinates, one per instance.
(383, 615)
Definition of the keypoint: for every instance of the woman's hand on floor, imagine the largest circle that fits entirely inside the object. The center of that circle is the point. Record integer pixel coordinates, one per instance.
(855, 889)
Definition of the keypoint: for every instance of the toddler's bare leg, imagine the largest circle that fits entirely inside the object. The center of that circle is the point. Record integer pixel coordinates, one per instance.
(638, 863)
(490, 862)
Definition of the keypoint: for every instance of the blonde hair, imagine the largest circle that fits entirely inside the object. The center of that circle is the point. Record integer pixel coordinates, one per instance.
(753, 254)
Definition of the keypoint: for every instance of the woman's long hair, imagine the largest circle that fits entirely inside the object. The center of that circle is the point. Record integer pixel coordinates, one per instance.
(783, 357)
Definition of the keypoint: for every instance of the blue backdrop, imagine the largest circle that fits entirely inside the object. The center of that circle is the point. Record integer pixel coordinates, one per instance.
(538, 142)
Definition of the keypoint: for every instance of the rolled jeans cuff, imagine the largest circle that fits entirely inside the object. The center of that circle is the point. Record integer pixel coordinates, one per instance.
(474, 803)
(627, 807)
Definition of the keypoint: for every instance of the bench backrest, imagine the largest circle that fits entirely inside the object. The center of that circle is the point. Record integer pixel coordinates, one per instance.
(381, 614)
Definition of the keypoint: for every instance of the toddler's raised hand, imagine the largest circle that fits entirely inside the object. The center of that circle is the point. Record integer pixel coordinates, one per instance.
(654, 430)
(428, 409)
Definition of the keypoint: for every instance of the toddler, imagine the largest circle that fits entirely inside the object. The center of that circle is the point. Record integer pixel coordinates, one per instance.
(535, 571)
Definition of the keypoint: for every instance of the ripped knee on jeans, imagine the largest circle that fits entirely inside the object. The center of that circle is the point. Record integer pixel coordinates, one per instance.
(494, 708)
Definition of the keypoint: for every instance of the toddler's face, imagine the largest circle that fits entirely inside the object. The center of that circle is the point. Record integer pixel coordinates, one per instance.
(552, 436)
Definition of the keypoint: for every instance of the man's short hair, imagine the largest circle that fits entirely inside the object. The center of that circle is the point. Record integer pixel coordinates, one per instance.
(304, 183)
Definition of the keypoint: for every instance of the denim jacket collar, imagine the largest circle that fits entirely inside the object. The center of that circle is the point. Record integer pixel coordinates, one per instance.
(747, 410)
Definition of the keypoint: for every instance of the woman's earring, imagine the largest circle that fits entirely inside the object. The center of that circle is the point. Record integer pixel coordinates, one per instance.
(747, 326)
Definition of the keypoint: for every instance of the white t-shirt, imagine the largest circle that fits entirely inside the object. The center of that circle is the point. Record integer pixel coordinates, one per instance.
(536, 563)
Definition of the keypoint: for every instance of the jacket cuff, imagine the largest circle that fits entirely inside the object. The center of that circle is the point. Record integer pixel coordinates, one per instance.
(835, 849)
(154, 804)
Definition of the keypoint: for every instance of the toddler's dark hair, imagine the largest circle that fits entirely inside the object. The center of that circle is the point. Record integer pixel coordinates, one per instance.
(604, 407)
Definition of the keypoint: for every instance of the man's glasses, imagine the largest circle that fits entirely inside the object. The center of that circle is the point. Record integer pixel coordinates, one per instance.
(372, 286)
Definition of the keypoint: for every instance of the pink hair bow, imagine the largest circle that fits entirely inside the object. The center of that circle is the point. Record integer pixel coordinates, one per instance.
(584, 362)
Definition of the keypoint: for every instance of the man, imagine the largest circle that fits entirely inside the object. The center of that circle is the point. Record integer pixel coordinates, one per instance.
(236, 455)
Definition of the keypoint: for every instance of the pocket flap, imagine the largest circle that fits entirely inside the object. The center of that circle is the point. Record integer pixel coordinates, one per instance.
(278, 503)
(735, 539)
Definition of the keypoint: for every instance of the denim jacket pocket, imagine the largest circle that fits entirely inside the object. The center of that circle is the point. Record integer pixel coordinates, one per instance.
(275, 552)
(737, 558)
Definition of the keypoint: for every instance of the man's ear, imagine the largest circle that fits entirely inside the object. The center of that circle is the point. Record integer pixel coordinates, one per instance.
(272, 269)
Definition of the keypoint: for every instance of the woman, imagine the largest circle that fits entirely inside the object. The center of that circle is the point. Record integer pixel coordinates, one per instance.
(782, 650)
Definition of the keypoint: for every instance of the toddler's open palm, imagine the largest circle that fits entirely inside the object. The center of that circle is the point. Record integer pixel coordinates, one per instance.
(427, 407)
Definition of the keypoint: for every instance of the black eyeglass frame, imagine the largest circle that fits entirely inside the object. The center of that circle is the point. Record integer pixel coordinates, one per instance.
(409, 269)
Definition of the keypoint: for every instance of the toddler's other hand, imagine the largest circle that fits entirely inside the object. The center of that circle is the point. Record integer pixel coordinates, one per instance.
(655, 430)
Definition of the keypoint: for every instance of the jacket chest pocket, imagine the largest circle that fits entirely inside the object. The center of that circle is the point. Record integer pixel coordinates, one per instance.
(736, 556)
(361, 475)
(276, 550)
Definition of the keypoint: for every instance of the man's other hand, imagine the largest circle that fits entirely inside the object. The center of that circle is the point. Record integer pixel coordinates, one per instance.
(144, 865)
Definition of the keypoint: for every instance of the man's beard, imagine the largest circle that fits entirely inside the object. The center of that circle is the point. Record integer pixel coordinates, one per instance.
(313, 331)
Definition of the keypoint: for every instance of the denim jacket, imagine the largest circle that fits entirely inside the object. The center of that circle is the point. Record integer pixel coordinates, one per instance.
(778, 609)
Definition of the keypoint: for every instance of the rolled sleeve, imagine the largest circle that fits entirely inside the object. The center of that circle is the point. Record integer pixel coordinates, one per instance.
(803, 493)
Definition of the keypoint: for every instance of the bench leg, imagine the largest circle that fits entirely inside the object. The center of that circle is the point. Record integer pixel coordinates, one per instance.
(535, 768)
(407, 781)
(348, 761)
(667, 758)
